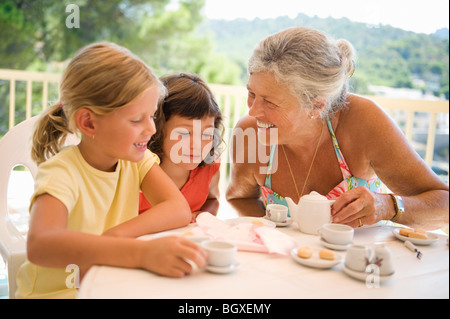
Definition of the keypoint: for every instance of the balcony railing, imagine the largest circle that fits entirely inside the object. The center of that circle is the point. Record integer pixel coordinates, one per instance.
(411, 115)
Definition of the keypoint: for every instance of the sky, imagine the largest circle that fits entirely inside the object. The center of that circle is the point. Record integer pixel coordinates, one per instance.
(422, 16)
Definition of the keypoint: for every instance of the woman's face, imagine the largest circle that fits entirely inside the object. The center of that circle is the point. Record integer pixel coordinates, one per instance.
(187, 141)
(275, 109)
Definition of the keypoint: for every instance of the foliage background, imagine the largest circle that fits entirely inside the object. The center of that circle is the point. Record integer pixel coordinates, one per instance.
(173, 36)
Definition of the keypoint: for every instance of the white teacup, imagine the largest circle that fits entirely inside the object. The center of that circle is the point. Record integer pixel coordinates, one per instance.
(220, 253)
(336, 234)
(358, 257)
(383, 259)
(277, 213)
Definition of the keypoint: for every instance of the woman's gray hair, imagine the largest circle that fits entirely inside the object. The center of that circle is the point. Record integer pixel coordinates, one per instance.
(309, 63)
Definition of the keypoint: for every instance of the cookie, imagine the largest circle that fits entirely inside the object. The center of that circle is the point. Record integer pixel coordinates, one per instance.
(418, 235)
(326, 254)
(405, 231)
(305, 252)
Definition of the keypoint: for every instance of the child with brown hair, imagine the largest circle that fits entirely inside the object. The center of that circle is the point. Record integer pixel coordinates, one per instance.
(188, 139)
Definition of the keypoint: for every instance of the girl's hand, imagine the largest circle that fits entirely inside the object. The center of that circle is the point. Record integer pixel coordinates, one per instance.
(172, 256)
(360, 206)
(194, 215)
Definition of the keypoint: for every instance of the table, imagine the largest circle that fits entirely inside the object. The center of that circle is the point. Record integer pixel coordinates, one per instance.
(270, 276)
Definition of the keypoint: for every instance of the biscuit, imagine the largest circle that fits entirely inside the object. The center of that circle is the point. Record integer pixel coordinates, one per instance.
(305, 252)
(257, 223)
(418, 235)
(187, 234)
(405, 231)
(326, 254)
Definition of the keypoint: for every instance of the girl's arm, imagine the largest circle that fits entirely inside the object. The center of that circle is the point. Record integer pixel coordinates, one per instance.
(169, 207)
(212, 202)
(51, 244)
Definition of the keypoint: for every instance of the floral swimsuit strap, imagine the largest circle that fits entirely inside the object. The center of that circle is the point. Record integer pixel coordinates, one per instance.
(268, 181)
(349, 181)
(342, 163)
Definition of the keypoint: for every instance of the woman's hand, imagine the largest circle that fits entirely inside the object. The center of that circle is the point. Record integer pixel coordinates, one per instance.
(360, 206)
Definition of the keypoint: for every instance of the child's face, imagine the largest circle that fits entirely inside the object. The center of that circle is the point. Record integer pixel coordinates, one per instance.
(187, 141)
(124, 133)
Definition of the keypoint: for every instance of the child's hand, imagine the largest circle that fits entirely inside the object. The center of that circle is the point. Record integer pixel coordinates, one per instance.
(194, 216)
(169, 256)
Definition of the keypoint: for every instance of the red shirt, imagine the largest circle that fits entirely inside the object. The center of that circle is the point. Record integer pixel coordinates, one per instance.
(195, 190)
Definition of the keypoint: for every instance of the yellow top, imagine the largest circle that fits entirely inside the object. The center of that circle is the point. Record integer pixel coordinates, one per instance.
(95, 201)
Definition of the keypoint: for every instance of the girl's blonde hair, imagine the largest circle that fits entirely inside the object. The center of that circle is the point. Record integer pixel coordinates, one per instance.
(309, 63)
(101, 77)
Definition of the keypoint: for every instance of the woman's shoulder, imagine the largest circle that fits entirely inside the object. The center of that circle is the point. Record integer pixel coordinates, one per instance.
(362, 114)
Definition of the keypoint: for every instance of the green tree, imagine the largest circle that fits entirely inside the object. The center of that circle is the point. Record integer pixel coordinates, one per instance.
(36, 35)
(161, 32)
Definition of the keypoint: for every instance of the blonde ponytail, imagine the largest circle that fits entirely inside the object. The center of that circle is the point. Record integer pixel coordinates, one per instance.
(50, 134)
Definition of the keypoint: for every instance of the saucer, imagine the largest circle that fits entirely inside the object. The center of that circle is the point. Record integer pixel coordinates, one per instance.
(333, 246)
(362, 275)
(223, 270)
(287, 222)
(315, 261)
(431, 238)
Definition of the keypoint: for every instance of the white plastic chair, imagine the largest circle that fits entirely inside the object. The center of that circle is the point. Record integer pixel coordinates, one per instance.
(15, 150)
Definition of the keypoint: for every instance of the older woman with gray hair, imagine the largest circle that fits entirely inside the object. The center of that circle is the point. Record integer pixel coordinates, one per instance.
(328, 140)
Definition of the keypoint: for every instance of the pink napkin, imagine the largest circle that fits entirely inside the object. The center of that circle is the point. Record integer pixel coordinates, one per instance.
(247, 236)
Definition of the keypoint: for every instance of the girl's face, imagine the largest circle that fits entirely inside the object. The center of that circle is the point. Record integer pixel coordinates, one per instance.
(276, 110)
(124, 133)
(187, 141)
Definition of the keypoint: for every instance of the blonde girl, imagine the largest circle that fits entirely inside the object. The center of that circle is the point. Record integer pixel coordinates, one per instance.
(84, 209)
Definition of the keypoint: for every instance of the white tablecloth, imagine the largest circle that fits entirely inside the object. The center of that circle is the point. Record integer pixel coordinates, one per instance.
(272, 276)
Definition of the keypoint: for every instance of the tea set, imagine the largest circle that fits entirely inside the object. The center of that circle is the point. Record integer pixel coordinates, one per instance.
(313, 216)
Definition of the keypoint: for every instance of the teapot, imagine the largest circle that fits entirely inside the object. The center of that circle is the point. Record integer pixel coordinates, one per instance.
(311, 213)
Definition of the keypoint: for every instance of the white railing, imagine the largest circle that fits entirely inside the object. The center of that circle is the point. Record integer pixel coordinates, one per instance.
(14, 76)
(232, 100)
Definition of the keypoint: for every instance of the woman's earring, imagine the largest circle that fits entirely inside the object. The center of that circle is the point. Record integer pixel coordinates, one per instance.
(312, 115)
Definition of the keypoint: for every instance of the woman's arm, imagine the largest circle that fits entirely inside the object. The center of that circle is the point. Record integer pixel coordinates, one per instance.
(169, 207)
(243, 191)
(389, 155)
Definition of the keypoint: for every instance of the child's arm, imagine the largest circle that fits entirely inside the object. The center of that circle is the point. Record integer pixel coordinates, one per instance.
(169, 207)
(51, 244)
(212, 203)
